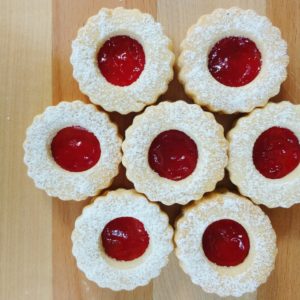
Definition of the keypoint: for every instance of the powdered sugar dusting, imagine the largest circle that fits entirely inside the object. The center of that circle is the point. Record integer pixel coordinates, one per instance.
(201, 37)
(282, 192)
(120, 275)
(156, 75)
(226, 281)
(200, 126)
(50, 177)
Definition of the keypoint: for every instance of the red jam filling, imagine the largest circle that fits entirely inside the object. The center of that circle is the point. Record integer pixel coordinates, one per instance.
(75, 149)
(124, 238)
(173, 155)
(234, 61)
(276, 152)
(121, 60)
(226, 243)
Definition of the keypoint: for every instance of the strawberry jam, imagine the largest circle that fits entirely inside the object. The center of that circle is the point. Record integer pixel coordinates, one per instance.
(234, 61)
(276, 152)
(226, 243)
(124, 238)
(75, 149)
(173, 155)
(121, 60)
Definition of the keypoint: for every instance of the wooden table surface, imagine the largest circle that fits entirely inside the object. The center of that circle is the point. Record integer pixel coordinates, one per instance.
(35, 258)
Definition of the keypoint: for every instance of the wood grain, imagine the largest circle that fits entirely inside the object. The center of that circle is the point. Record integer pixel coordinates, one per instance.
(25, 90)
(35, 247)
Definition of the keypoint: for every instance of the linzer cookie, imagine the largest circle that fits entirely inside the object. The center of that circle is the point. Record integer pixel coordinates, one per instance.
(174, 152)
(232, 60)
(226, 244)
(72, 150)
(122, 241)
(122, 60)
(264, 155)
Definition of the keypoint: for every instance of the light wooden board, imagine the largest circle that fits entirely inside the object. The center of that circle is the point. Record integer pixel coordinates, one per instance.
(35, 257)
(25, 90)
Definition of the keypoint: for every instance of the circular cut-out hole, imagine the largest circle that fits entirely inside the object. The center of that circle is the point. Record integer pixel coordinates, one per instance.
(276, 152)
(226, 243)
(173, 155)
(75, 149)
(121, 60)
(234, 61)
(125, 238)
